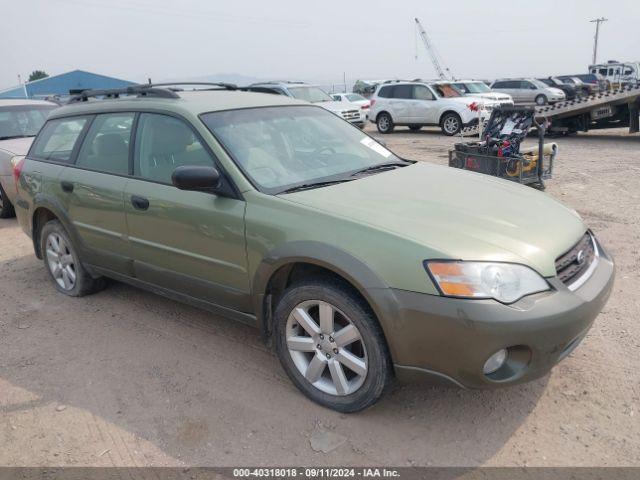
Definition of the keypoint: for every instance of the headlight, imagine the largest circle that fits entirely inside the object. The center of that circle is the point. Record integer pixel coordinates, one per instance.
(505, 282)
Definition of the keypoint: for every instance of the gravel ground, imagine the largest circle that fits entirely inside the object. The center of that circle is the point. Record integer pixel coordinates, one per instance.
(128, 378)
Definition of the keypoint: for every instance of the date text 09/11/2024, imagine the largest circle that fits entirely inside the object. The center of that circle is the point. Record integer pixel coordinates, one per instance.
(307, 472)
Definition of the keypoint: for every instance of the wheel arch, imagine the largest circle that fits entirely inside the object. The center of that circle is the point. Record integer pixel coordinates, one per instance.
(384, 111)
(44, 210)
(299, 259)
(447, 111)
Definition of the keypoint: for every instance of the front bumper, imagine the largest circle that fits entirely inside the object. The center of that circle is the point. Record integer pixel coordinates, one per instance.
(448, 340)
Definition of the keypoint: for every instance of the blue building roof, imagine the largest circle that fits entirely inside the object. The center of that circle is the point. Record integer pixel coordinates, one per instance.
(61, 84)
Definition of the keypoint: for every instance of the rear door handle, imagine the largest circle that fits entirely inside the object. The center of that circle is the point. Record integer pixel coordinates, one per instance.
(66, 186)
(139, 203)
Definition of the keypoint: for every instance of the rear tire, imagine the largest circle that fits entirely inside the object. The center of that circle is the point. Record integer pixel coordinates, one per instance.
(63, 264)
(384, 122)
(347, 373)
(541, 100)
(450, 124)
(6, 208)
(415, 128)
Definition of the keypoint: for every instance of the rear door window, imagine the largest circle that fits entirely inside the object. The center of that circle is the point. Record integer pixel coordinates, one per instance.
(106, 145)
(403, 91)
(385, 92)
(164, 143)
(58, 138)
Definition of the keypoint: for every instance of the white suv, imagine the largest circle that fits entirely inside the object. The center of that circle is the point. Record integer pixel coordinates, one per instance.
(417, 104)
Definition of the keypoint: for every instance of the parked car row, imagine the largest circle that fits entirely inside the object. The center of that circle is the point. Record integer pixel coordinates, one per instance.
(529, 90)
(353, 113)
(416, 104)
(359, 266)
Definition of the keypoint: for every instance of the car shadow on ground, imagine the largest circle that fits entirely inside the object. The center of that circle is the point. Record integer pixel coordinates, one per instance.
(204, 390)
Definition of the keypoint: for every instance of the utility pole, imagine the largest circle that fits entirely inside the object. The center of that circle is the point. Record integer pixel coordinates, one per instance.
(597, 21)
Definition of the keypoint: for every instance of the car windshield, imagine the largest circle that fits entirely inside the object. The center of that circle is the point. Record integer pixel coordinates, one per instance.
(310, 94)
(477, 87)
(446, 90)
(354, 97)
(22, 120)
(283, 147)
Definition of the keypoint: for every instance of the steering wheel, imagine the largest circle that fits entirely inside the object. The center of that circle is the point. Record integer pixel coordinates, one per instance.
(316, 155)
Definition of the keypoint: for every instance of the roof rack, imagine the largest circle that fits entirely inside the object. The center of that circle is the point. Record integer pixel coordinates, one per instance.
(223, 85)
(144, 90)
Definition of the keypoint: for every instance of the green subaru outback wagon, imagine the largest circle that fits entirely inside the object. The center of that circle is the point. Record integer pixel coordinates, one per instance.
(358, 266)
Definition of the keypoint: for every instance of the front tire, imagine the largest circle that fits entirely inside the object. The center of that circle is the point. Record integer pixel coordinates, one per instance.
(63, 263)
(384, 122)
(541, 100)
(6, 208)
(331, 346)
(450, 124)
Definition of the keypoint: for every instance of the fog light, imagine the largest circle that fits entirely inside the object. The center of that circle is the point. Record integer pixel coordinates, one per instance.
(495, 361)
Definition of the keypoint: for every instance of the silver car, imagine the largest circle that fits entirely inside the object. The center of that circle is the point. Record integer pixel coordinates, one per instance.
(20, 120)
(528, 90)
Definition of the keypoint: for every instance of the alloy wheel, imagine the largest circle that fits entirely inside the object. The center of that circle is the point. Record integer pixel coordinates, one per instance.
(326, 347)
(60, 261)
(451, 124)
(383, 123)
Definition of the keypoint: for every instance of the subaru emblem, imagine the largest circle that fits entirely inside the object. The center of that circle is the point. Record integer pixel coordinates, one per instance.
(580, 257)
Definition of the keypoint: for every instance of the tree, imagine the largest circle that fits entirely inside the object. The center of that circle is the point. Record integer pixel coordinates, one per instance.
(37, 75)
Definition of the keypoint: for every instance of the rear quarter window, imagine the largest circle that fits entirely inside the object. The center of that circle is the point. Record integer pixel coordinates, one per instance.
(58, 139)
(385, 92)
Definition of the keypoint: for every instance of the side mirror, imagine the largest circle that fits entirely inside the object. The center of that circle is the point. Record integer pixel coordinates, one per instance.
(197, 178)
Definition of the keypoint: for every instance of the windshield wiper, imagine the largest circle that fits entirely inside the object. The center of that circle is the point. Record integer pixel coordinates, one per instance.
(309, 186)
(380, 168)
(10, 137)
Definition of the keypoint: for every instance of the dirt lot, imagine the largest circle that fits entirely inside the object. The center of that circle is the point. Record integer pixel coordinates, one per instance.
(128, 378)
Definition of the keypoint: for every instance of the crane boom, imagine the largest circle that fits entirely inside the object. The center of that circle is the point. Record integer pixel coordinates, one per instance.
(431, 51)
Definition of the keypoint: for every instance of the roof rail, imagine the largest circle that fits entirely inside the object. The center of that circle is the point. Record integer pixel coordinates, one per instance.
(144, 90)
(223, 85)
(139, 90)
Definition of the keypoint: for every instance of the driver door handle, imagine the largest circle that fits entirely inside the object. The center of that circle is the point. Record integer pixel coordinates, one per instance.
(139, 203)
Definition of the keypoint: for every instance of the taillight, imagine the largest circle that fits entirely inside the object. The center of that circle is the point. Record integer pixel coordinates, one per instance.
(373, 101)
(17, 163)
(365, 106)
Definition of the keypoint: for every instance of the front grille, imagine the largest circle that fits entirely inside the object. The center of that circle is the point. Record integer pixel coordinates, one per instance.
(574, 264)
(351, 115)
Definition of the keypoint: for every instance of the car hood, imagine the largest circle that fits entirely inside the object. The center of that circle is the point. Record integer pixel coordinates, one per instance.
(499, 97)
(16, 146)
(455, 214)
(338, 106)
(556, 91)
(468, 99)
